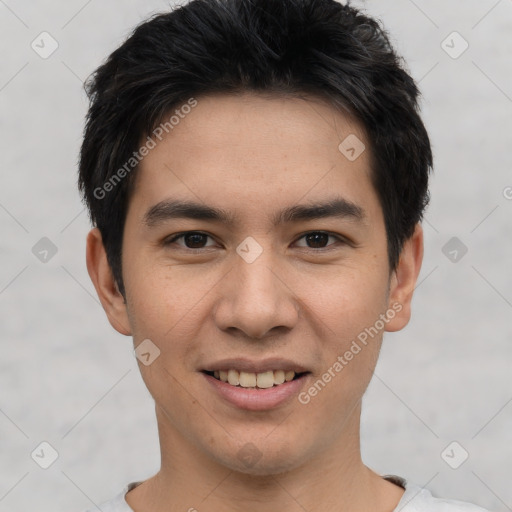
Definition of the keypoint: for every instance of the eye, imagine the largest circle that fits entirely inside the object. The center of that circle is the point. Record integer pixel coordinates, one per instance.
(319, 239)
(196, 240)
(191, 239)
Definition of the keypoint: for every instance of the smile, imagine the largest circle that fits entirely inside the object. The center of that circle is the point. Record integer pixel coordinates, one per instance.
(262, 380)
(278, 387)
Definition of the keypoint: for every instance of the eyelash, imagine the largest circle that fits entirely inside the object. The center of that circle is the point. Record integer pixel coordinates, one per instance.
(176, 237)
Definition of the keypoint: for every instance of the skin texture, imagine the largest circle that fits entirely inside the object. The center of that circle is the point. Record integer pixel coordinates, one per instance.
(253, 155)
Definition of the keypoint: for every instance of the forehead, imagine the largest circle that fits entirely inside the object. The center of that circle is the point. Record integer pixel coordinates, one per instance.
(255, 122)
(251, 152)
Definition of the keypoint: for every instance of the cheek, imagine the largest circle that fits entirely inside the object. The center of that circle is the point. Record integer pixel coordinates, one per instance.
(347, 301)
(351, 309)
(169, 307)
(162, 298)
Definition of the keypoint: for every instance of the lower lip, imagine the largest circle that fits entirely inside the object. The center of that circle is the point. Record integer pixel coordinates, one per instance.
(253, 399)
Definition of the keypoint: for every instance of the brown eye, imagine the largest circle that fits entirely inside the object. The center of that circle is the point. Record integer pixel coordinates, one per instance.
(195, 240)
(191, 240)
(318, 239)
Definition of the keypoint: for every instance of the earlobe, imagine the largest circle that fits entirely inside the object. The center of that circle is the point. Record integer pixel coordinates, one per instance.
(403, 280)
(101, 275)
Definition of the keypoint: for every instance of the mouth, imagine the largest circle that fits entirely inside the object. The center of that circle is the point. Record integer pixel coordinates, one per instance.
(251, 380)
(256, 385)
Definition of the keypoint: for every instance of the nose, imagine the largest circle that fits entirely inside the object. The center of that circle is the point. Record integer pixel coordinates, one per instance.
(256, 299)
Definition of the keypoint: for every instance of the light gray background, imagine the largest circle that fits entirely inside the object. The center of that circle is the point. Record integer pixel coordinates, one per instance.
(66, 377)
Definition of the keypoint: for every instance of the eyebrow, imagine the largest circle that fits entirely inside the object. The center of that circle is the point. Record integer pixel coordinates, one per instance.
(174, 208)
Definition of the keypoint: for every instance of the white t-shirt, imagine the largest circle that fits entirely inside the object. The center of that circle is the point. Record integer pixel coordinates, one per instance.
(414, 499)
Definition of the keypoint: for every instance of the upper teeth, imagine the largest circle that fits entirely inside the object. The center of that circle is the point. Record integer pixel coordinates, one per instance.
(251, 380)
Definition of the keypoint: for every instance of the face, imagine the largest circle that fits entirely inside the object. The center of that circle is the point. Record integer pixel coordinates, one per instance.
(254, 245)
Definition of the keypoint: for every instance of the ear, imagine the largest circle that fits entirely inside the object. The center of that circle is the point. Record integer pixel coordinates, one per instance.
(403, 280)
(101, 275)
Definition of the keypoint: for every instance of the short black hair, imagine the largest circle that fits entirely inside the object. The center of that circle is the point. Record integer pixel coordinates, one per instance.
(321, 48)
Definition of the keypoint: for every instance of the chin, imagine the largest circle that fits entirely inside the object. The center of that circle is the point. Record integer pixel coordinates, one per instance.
(261, 459)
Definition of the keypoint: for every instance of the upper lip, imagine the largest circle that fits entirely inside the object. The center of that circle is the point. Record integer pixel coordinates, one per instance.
(254, 366)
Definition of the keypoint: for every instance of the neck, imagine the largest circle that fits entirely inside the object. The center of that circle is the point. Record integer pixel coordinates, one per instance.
(333, 480)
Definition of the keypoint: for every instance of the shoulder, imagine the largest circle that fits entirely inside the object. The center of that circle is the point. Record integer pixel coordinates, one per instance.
(417, 499)
(414, 499)
(118, 503)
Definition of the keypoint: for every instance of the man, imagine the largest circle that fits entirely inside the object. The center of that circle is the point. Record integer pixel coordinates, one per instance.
(256, 172)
